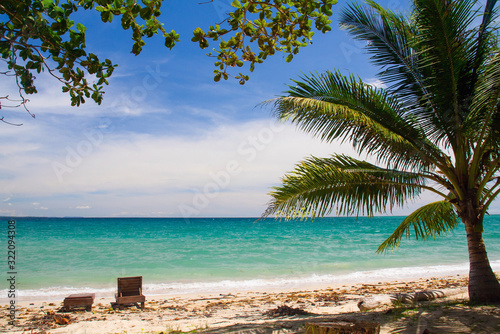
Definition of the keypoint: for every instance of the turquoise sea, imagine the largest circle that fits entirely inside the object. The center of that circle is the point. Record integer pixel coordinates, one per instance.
(58, 256)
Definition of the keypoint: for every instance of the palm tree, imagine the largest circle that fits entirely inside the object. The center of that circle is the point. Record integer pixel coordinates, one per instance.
(436, 127)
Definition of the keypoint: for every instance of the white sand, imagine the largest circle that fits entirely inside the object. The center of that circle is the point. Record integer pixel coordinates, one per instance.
(231, 312)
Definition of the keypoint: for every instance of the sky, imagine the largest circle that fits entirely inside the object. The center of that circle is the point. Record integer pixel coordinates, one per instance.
(167, 141)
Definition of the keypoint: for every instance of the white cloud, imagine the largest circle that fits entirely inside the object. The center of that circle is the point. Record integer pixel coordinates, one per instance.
(16, 148)
(145, 174)
(377, 83)
(132, 91)
(225, 170)
(7, 212)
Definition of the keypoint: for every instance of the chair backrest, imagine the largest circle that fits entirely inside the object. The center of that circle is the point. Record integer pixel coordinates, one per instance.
(130, 286)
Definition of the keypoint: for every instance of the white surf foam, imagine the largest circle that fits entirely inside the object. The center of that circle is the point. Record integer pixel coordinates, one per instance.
(272, 284)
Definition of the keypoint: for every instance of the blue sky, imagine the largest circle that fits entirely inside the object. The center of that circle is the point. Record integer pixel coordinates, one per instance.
(167, 141)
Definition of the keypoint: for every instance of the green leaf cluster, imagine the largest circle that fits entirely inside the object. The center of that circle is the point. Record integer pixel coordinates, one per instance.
(258, 29)
(40, 35)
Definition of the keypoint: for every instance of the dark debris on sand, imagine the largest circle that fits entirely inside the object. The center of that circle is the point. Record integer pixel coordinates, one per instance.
(284, 310)
(43, 323)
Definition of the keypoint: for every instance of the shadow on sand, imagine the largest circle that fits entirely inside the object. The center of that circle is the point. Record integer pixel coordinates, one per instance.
(417, 320)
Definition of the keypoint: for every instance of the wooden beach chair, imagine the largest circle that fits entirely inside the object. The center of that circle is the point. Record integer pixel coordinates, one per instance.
(79, 300)
(130, 292)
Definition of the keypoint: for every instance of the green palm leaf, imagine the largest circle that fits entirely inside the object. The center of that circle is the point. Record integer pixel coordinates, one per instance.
(389, 37)
(445, 46)
(317, 186)
(484, 113)
(333, 106)
(431, 220)
(426, 60)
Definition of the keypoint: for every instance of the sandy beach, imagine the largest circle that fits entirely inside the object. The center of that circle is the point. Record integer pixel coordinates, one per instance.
(266, 312)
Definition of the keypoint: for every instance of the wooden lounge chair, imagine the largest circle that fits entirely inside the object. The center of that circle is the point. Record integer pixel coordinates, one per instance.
(79, 300)
(130, 292)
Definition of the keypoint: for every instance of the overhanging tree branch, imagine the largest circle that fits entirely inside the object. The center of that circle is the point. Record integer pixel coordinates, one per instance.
(269, 26)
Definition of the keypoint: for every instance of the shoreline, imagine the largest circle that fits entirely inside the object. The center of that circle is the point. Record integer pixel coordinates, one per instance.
(231, 290)
(57, 293)
(214, 311)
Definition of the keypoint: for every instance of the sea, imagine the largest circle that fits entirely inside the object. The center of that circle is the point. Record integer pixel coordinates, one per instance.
(55, 257)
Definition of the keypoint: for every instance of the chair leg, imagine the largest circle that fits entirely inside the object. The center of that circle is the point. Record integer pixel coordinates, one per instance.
(142, 306)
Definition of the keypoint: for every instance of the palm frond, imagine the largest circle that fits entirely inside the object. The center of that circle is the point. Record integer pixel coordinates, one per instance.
(495, 129)
(483, 87)
(333, 106)
(350, 186)
(445, 43)
(482, 126)
(388, 38)
(485, 102)
(428, 221)
(428, 59)
(486, 38)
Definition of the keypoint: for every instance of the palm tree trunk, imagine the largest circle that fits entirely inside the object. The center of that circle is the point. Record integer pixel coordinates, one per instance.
(483, 285)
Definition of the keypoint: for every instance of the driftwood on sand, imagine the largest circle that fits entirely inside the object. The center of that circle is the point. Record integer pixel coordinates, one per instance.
(369, 303)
